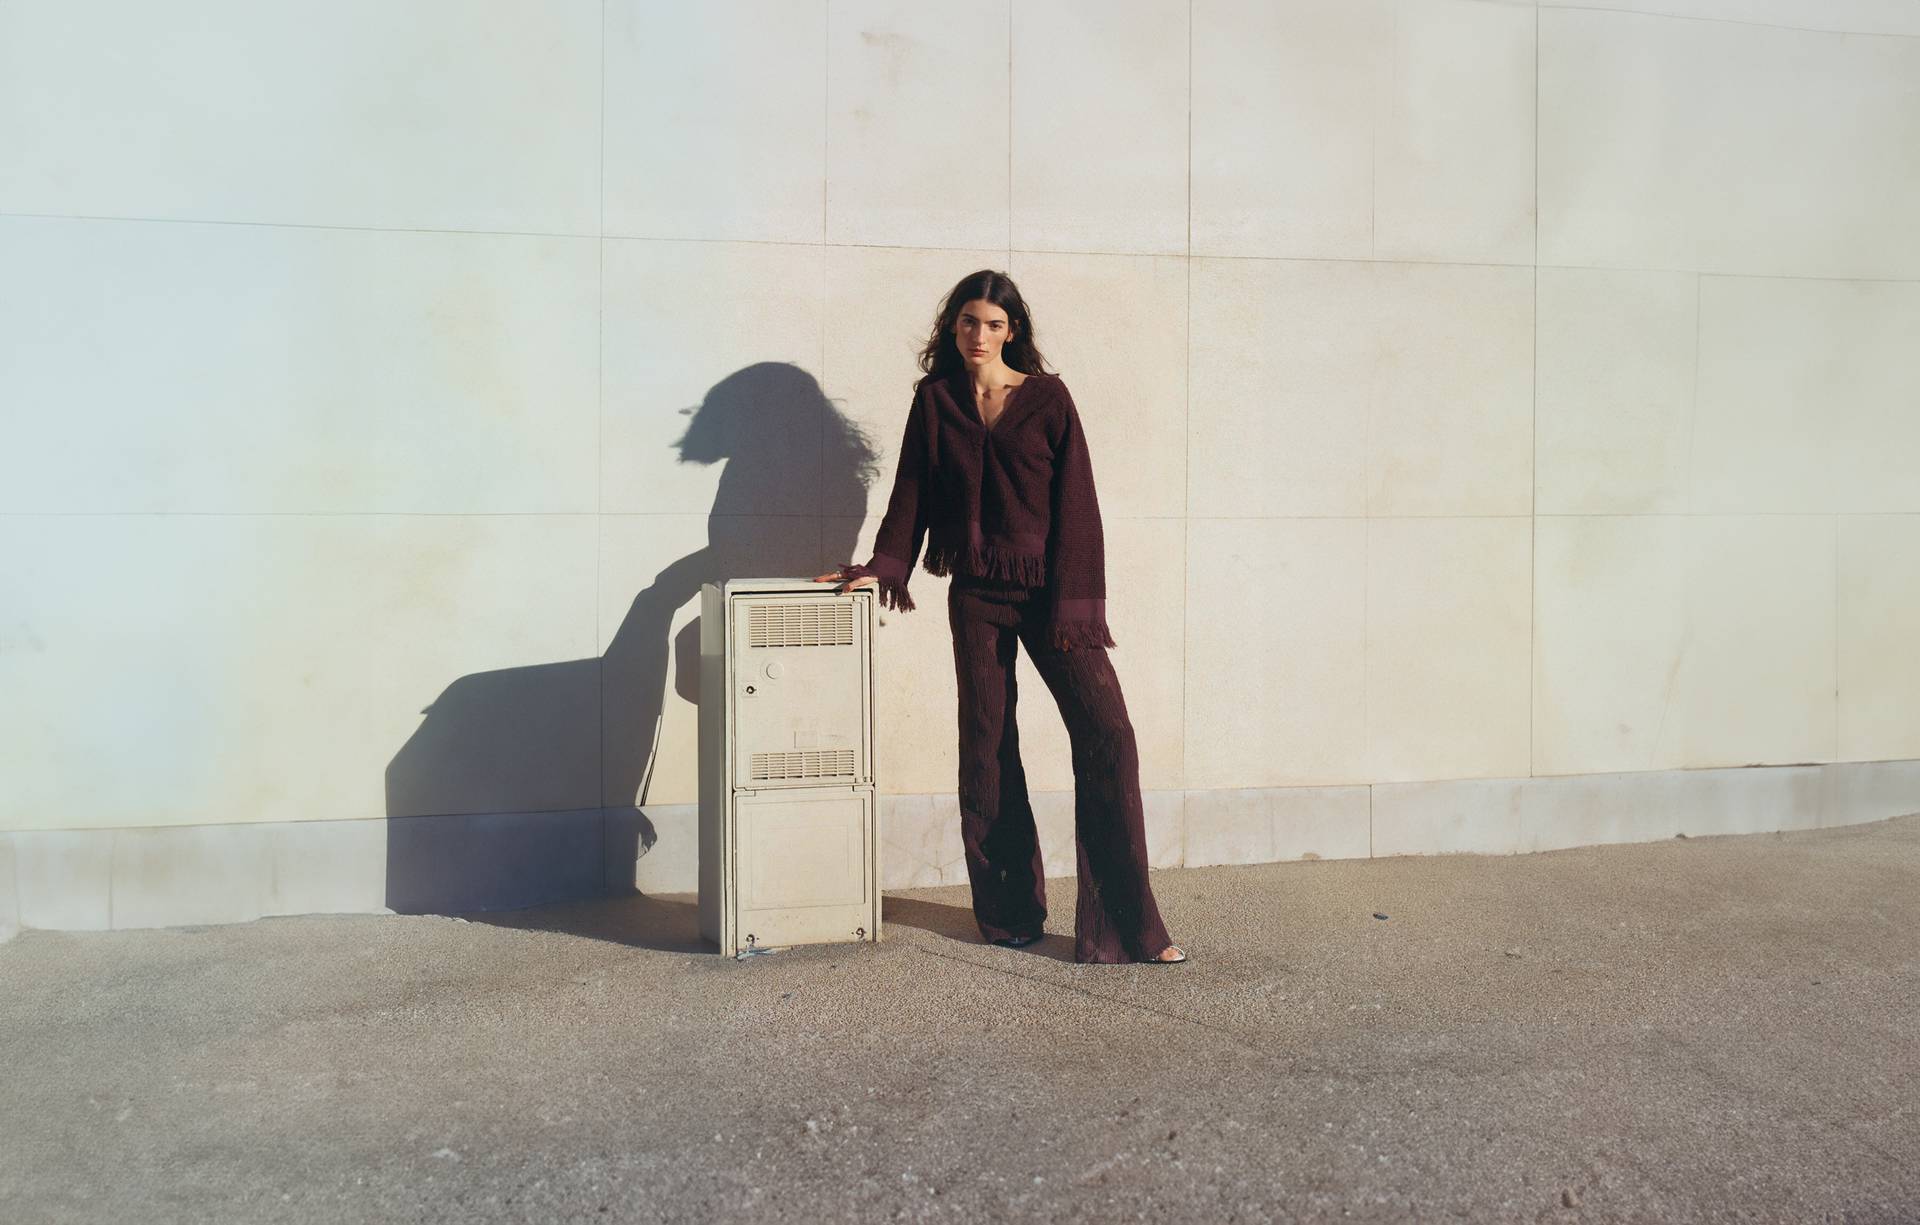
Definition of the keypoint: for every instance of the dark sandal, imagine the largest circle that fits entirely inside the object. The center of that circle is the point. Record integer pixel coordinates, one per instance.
(1017, 942)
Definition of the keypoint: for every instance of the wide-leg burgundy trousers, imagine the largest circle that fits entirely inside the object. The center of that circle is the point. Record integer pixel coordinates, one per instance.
(1115, 919)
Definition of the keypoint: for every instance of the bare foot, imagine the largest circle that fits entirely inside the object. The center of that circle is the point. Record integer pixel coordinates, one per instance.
(1171, 953)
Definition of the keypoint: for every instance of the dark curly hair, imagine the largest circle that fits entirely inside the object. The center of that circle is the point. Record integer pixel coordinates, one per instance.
(942, 357)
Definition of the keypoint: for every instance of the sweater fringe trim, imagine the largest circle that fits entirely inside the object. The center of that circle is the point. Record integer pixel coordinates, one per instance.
(1066, 635)
(892, 591)
(988, 561)
(893, 594)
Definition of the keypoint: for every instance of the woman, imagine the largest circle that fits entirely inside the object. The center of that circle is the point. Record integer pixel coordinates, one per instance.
(994, 473)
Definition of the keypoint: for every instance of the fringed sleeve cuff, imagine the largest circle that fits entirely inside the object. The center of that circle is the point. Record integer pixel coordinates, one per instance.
(1079, 623)
(1076, 546)
(892, 574)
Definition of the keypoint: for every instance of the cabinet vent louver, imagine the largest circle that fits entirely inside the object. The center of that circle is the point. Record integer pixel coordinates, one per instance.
(813, 623)
(807, 763)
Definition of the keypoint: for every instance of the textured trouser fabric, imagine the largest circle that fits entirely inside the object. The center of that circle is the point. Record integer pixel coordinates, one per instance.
(1116, 918)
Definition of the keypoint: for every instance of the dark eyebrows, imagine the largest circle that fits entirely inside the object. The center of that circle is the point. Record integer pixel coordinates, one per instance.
(976, 318)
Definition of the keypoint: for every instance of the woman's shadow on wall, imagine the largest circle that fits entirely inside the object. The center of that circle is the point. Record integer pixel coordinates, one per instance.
(529, 786)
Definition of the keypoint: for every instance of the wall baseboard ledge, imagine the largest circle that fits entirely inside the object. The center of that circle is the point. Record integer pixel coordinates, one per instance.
(172, 876)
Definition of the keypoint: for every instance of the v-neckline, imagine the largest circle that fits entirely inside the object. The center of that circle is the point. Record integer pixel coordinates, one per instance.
(1005, 408)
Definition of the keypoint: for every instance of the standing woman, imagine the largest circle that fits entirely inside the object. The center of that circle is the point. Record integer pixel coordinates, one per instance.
(994, 473)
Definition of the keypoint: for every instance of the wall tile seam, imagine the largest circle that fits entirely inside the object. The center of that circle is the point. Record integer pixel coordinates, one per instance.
(1186, 474)
(1115, 516)
(1185, 793)
(10, 922)
(1190, 254)
(335, 822)
(1730, 21)
(357, 514)
(1519, 847)
(339, 227)
(1838, 706)
(1295, 258)
(599, 449)
(1681, 514)
(1533, 436)
(1301, 258)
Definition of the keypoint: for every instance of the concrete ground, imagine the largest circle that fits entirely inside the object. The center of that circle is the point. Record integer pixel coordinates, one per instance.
(1708, 1029)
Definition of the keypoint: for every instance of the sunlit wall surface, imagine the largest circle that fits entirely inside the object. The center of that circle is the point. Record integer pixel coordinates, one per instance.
(1477, 390)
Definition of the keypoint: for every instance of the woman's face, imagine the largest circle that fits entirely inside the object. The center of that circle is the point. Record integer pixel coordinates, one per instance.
(979, 331)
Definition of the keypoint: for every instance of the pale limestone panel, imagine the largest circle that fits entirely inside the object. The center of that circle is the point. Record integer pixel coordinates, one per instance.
(1650, 806)
(1808, 794)
(1807, 396)
(1875, 370)
(192, 874)
(716, 120)
(1747, 801)
(1114, 328)
(1879, 665)
(1284, 360)
(1146, 566)
(344, 112)
(1228, 826)
(1859, 16)
(327, 867)
(290, 667)
(1757, 679)
(1322, 822)
(920, 839)
(1275, 651)
(652, 568)
(919, 702)
(671, 863)
(1454, 149)
(1765, 421)
(913, 666)
(1672, 144)
(1283, 126)
(1450, 424)
(9, 892)
(65, 879)
(917, 124)
(711, 393)
(1448, 622)
(881, 307)
(1473, 816)
(1053, 821)
(226, 368)
(902, 863)
(495, 861)
(1860, 791)
(1613, 414)
(1591, 809)
(1684, 642)
(1263, 825)
(1610, 634)
(1108, 177)
(946, 814)
(1166, 813)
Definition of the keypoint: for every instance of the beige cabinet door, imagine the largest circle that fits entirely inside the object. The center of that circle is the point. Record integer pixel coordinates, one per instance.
(805, 870)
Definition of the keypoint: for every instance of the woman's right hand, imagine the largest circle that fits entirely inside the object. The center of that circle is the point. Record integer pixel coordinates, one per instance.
(839, 575)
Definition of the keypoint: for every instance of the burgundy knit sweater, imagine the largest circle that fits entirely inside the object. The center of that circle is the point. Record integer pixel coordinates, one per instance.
(1012, 501)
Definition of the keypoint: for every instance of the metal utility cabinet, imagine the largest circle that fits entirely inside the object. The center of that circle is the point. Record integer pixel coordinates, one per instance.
(789, 811)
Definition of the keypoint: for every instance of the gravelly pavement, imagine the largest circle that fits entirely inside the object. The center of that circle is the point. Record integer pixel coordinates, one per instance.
(1708, 1029)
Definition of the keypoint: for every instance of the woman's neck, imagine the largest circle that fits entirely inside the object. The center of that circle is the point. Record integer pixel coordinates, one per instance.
(999, 374)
